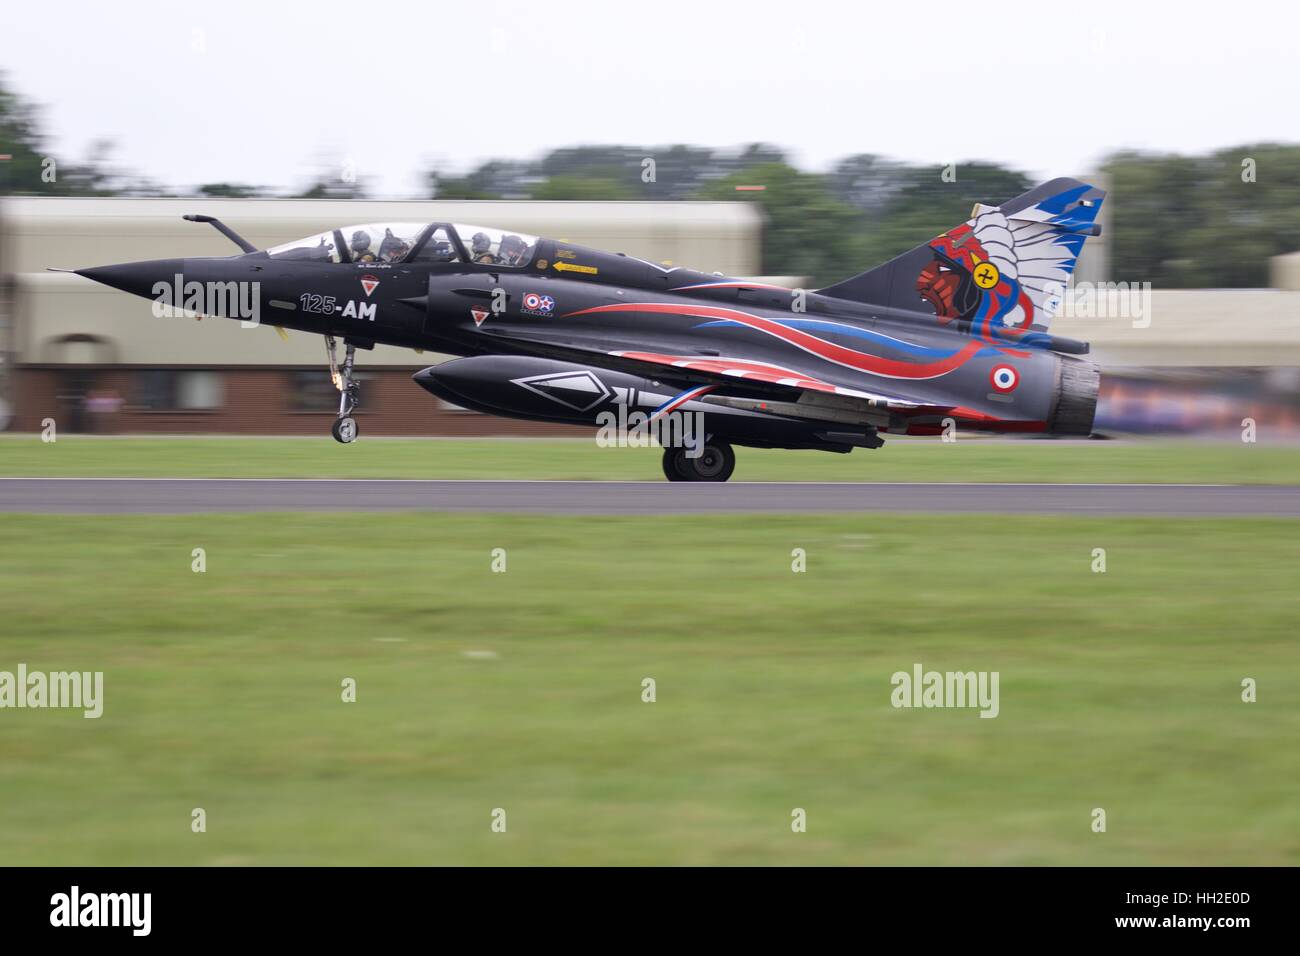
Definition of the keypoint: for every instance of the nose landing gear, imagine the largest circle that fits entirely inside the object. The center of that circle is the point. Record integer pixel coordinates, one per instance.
(345, 426)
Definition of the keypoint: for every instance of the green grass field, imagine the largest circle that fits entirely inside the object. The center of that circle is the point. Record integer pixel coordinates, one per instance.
(899, 460)
(522, 690)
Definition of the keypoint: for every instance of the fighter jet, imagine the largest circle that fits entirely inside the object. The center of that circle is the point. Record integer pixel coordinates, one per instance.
(951, 335)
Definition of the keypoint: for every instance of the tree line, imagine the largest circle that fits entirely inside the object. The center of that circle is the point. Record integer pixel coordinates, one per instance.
(1176, 221)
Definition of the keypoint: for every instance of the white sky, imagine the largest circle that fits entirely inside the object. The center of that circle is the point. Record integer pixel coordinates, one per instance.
(267, 92)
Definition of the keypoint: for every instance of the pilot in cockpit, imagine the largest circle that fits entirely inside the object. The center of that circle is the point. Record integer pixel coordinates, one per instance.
(392, 249)
(513, 251)
(481, 250)
(360, 247)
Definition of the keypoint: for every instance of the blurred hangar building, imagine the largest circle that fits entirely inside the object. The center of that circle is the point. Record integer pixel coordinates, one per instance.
(98, 360)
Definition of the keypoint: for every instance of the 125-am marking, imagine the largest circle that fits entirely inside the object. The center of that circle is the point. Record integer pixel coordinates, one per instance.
(325, 305)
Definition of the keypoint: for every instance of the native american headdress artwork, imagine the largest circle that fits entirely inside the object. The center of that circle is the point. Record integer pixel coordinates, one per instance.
(1003, 271)
(999, 273)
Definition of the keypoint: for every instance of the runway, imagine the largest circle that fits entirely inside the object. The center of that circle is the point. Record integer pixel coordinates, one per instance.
(202, 495)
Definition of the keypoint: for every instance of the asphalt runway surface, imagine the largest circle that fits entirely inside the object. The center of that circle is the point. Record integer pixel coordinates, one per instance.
(202, 495)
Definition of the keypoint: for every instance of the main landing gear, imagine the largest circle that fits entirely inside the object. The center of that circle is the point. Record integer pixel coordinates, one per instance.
(715, 463)
(345, 426)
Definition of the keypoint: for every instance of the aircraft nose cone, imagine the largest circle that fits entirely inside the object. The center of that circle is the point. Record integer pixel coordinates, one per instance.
(448, 373)
(450, 381)
(430, 380)
(138, 278)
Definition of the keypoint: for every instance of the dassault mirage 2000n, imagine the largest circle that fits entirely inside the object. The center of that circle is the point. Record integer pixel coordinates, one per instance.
(950, 334)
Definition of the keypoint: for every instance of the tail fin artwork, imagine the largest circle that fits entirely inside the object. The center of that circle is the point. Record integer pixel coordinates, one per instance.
(1001, 274)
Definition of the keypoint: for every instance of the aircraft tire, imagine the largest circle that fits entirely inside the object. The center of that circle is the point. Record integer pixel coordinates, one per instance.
(716, 463)
(345, 430)
(671, 471)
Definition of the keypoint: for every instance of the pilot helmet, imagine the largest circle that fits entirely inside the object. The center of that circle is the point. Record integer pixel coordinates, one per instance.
(513, 247)
(360, 241)
(480, 242)
(392, 245)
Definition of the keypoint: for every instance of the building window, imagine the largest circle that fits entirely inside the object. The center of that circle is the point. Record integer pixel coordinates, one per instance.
(167, 390)
(312, 391)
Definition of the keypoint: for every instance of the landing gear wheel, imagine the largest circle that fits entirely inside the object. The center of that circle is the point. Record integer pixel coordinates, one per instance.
(345, 426)
(345, 430)
(671, 471)
(715, 463)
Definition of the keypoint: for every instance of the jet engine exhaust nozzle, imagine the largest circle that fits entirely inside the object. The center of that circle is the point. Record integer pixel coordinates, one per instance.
(1077, 385)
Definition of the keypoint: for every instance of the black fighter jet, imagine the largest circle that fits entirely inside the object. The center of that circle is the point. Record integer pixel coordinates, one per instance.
(951, 335)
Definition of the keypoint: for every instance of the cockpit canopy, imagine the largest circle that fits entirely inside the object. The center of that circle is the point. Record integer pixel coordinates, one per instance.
(412, 242)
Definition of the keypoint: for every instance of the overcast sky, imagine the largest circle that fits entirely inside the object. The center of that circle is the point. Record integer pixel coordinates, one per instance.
(265, 92)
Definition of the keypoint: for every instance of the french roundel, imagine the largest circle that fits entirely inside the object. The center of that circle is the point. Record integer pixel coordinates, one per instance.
(1004, 378)
(532, 300)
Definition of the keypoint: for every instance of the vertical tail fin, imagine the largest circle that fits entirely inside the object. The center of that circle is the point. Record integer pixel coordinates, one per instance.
(1004, 268)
